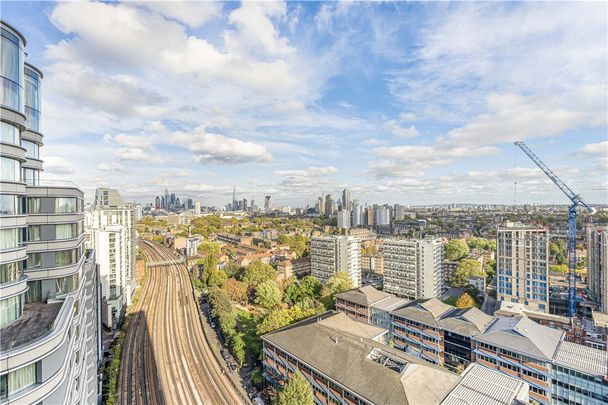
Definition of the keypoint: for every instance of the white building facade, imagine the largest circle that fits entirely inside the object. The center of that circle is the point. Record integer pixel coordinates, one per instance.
(49, 323)
(413, 267)
(330, 254)
(111, 228)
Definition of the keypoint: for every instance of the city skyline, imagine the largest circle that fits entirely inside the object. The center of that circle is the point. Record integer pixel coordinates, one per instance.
(280, 111)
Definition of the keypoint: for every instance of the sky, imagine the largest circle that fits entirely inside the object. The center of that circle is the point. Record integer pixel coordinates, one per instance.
(412, 103)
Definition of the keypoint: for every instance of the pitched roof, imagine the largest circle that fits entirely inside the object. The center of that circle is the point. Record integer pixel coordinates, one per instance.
(523, 335)
(344, 323)
(348, 360)
(467, 321)
(427, 311)
(367, 295)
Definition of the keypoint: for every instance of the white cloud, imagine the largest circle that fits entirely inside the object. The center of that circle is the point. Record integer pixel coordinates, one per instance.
(403, 132)
(213, 148)
(111, 167)
(58, 165)
(312, 171)
(137, 154)
(192, 13)
(599, 148)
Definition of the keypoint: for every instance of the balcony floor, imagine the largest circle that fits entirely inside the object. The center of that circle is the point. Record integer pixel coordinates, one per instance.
(35, 322)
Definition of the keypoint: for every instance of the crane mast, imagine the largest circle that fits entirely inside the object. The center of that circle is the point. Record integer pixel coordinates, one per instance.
(576, 201)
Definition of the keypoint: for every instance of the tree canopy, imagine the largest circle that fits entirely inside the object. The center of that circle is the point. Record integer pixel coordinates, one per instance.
(297, 243)
(456, 249)
(481, 243)
(465, 269)
(296, 392)
(210, 248)
(236, 290)
(308, 287)
(465, 301)
(257, 272)
(268, 294)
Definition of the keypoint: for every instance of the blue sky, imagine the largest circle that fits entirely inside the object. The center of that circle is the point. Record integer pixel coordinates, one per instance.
(413, 103)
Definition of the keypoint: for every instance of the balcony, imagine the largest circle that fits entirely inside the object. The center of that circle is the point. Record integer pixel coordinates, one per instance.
(38, 319)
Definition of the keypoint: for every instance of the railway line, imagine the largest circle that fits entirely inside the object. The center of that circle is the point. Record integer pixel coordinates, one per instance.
(166, 358)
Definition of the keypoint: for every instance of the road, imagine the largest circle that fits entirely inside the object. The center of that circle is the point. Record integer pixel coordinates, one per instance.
(166, 358)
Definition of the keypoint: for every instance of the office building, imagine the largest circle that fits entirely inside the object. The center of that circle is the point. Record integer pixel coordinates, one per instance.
(413, 268)
(330, 254)
(358, 215)
(367, 304)
(49, 332)
(522, 265)
(111, 228)
(268, 204)
(346, 364)
(343, 218)
(329, 205)
(597, 265)
(346, 203)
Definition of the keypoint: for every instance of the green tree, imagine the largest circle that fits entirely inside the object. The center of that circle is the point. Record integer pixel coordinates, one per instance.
(257, 272)
(232, 270)
(296, 392)
(456, 249)
(217, 278)
(237, 346)
(465, 301)
(297, 243)
(337, 283)
(489, 268)
(274, 320)
(236, 290)
(219, 301)
(209, 248)
(465, 269)
(268, 294)
(308, 287)
(227, 321)
(558, 268)
(209, 264)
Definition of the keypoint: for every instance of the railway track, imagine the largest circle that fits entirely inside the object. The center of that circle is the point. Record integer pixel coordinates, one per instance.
(166, 358)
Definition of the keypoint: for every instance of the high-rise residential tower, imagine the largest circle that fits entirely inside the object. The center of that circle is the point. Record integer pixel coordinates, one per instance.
(522, 265)
(111, 228)
(346, 199)
(329, 205)
(413, 267)
(330, 254)
(597, 264)
(49, 330)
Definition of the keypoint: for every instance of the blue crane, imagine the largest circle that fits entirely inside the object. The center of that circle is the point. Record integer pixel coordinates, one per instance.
(576, 201)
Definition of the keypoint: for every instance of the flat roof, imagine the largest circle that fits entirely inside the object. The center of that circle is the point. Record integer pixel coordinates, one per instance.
(348, 360)
(36, 321)
(481, 385)
(582, 358)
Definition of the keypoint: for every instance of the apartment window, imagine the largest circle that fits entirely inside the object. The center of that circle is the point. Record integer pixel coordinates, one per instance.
(10, 310)
(34, 294)
(18, 380)
(9, 204)
(65, 257)
(66, 285)
(10, 271)
(33, 205)
(9, 133)
(33, 260)
(65, 204)
(10, 238)
(33, 233)
(66, 231)
(31, 177)
(10, 169)
(31, 149)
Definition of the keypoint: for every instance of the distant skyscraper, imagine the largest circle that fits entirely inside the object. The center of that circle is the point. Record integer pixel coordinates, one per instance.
(320, 206)
(346, 199)
(329, 205)
(597, 263)
(330, 254)
(235, 203)
(413, 267)
(358, 218)
(344, 218)
(157, 203)
(522, 265)
(268, 204)
(382, 216)
(197, 207)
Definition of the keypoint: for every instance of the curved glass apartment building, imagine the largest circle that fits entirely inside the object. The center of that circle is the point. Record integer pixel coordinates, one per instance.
(49, 323)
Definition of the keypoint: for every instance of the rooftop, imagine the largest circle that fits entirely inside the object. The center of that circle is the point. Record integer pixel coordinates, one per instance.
(363, 296)
(352, 361)
(582, 358)
(37, 320)
(600, 319)
(344, 323)
(427, 311)
(390, 304)
(524, 336)
(481, 385)
(466, 321)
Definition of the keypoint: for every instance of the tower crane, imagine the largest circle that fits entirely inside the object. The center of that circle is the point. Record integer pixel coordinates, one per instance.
(576, 202)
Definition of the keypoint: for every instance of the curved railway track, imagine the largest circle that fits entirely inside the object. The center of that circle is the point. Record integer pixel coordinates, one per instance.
(165, 357)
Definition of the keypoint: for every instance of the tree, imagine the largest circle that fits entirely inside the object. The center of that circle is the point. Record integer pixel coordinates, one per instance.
(209, 248)
(268, 294)
(296, 392)
(337, 283)
(219, 301)
(227, 321)
(209, 264)
(257, 272)
(465, 269)
(237, 346)
(465, 301)
(558, 268)
(217, 278)
(456, 249)
(489, 268)
(236, 290)
(232, 270)
(275, 319)
(308, 287)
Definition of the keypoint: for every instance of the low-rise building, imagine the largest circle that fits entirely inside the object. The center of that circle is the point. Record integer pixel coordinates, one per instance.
(356, 302)
(301, 266)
